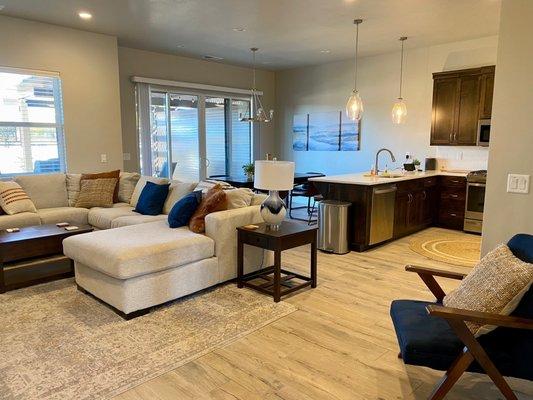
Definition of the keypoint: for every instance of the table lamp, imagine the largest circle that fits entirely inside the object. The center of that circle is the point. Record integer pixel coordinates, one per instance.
(273, 176)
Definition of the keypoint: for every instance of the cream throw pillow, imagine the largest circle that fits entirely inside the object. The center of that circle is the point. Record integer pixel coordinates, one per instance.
(14, 200)
(176, 191)
(96, 192)
(126, 185)
(238, 198)
(73, 188)
(496, 285)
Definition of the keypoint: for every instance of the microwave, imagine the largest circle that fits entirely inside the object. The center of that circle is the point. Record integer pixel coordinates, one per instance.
(483, 132)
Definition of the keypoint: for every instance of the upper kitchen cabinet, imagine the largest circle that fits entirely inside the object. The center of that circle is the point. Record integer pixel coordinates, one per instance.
(460, 100)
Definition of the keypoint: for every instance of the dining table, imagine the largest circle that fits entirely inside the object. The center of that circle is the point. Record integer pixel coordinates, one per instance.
(245, 182)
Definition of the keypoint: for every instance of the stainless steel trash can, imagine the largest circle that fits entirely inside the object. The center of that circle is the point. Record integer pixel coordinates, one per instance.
(333, 226)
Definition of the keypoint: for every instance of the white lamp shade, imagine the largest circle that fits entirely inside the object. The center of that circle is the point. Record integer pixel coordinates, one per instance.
(274, 175)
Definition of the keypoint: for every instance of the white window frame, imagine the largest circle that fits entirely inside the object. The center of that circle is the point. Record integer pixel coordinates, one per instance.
(58, 124)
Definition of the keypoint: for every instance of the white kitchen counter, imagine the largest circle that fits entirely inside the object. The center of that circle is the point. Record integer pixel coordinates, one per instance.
(361, 179)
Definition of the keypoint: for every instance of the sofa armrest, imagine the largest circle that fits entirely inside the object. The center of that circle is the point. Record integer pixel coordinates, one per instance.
(222, 228)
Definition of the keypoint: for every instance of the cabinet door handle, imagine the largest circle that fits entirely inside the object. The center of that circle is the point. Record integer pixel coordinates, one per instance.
(424, 195)
(451, 136)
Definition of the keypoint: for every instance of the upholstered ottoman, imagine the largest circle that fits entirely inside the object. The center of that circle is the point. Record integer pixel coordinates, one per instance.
(136, 267)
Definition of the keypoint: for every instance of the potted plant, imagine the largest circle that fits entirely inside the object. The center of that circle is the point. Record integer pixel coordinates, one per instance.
(248, 170)
(416, 162)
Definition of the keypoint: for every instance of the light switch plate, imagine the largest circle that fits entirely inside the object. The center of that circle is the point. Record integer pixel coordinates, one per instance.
(126, 156)
(518, 183)
(103, 158)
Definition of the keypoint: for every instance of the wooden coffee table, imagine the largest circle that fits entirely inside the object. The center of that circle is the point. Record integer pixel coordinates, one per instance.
(34, 255)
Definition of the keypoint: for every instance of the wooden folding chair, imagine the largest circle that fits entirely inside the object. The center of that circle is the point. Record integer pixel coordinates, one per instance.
(437, 337)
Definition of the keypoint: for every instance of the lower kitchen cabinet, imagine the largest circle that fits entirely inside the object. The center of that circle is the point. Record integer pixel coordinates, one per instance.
(452, 202)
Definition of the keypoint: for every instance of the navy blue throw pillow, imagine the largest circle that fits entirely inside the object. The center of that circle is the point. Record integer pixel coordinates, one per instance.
(184, 208)
(152, 199)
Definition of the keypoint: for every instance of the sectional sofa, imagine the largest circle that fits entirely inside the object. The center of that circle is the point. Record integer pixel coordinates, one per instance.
(132, 261)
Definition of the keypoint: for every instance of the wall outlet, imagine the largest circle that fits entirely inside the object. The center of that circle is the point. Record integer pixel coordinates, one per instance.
(126, 156)
(518, 183)
(103, 158)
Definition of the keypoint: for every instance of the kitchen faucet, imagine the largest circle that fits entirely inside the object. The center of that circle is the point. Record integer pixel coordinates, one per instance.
(377, 158)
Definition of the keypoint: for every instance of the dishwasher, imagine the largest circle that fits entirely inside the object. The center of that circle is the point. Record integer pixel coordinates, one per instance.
(382, 216)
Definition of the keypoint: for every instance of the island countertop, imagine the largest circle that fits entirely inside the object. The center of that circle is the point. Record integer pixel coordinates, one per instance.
(363, 179)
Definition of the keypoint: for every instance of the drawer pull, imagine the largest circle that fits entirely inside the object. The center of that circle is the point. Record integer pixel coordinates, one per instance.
(453, 214)
(454, 195)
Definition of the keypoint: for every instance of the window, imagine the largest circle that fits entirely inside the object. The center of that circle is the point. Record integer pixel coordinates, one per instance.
(31, 123)
(192, 135)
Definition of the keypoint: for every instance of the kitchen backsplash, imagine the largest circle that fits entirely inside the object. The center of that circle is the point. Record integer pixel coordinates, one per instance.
(464, 158)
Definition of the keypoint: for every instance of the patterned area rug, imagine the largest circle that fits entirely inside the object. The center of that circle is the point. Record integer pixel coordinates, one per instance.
(451, 250)
(57, 343)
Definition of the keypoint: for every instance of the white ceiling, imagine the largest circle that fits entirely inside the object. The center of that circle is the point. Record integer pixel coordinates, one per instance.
(289, 33)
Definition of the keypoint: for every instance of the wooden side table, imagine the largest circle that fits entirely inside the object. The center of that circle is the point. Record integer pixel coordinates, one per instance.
(290, 235)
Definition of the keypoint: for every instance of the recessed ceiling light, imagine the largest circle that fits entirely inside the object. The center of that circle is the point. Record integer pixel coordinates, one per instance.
(180, 46)
(85, 15)
(212, 58)
(325, 51)
(239, 29)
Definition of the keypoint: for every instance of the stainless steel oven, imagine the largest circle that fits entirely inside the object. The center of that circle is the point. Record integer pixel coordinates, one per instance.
(475, 201)
(483, 132)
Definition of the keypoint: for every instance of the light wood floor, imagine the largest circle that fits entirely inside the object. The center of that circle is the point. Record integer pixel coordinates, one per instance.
(340, 343)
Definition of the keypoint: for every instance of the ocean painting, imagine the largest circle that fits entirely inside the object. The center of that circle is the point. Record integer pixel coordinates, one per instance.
(324, 131)
(300, 132)
(350, 134)
(328, 131)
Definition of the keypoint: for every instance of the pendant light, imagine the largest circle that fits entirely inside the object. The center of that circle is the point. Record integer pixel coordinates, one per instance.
(257, 112)
(399, 110)
(354, 106)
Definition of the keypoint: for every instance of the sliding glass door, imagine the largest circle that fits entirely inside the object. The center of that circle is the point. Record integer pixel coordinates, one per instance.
(195, 135)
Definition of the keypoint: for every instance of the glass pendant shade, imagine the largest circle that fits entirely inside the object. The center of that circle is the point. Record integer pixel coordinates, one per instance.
(399, 112)
(354, 106)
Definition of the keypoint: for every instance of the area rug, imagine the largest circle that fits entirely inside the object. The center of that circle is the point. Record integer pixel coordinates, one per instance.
(456, 250)
(58, 343)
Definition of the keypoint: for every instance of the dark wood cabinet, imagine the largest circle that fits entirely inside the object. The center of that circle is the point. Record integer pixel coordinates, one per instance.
(460, 99)
(452, 201)
(415, 206)
(487, 90)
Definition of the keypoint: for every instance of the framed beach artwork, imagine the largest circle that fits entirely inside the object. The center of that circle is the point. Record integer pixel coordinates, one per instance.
(327, 131)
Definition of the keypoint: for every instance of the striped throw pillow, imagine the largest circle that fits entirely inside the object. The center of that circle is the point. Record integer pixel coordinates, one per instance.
(14, 200)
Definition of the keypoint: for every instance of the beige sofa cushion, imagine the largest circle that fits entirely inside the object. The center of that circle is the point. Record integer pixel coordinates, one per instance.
(140, 186)
(73, 188)
(176, 191)
(75, 216)
(496, 285)
(137, 250)
(19, 220)
(137, 219)
(238, 198)
(13, 199)
(48, 190)
(101, 218)
(126, 185)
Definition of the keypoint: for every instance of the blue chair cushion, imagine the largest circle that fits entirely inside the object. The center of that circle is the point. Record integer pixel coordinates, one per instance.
(152, 199)
(424, 340)
(183, 210)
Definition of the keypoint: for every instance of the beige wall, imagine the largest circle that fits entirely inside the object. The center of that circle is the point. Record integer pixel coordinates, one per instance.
(133, 62)
(88, 66)
(326, 88)
(512, 135)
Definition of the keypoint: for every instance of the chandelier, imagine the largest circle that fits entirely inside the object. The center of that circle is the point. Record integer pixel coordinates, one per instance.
(257, 112)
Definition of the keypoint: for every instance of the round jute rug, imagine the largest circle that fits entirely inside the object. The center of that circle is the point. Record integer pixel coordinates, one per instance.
(452, 250)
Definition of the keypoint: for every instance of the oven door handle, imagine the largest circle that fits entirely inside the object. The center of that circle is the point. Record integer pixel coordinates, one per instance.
(476, 184)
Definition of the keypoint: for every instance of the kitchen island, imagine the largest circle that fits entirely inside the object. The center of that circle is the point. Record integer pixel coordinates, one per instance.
(387, 208)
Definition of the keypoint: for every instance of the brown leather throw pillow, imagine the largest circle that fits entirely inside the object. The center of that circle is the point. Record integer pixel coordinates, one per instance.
(105, 175)
(215, 200)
